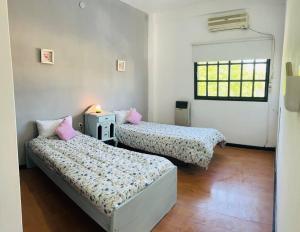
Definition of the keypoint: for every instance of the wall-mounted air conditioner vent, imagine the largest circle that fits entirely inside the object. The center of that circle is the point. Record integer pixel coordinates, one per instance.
(228, 21)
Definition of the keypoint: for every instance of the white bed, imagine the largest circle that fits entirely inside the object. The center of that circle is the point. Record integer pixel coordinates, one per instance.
(120, 189)
(189, 144)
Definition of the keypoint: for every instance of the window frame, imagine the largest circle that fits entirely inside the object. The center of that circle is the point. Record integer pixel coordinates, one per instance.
(228, 98)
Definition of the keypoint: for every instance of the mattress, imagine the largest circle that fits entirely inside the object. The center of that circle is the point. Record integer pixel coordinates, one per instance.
(107, 176)
(188, 144)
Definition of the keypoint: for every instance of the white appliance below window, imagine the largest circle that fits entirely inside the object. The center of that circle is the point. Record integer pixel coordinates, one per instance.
(183, 113)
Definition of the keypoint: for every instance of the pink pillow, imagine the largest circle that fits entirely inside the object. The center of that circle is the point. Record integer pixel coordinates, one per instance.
(69, 120)
(134, 117)
(65, 130)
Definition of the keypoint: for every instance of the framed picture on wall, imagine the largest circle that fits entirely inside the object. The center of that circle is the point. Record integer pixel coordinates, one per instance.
(47, 56)
(121, 65)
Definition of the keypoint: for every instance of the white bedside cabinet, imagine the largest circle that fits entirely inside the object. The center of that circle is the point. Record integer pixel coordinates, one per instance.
(101, 126)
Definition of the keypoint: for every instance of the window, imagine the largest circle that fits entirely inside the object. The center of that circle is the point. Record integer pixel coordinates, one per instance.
(240, 80)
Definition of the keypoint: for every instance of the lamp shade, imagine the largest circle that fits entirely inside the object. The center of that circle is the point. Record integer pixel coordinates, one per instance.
(98, 109)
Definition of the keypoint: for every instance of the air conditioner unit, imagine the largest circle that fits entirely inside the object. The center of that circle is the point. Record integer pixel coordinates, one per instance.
(228, 21)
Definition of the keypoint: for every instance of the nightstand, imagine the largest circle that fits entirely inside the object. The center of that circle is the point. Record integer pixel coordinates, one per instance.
(101, 126)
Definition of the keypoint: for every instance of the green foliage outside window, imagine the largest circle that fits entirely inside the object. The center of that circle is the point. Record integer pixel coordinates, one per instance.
(232, 80)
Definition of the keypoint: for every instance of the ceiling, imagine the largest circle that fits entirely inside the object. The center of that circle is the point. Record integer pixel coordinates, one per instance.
(151, 6)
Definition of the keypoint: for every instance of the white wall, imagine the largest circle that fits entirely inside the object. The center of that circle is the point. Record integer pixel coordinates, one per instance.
(288, 154)
(10, 203)
(171, 75)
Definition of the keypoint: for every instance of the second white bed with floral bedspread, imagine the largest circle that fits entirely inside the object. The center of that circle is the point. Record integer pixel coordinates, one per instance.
(105, 175)
(188, 144)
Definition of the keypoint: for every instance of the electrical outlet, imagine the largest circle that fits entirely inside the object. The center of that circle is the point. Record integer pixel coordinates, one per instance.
(80, 125)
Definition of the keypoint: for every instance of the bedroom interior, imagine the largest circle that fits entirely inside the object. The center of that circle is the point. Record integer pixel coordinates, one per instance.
(163, 115)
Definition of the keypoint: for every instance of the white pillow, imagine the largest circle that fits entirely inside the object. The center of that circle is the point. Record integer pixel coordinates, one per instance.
(121, 116)
(46, 128)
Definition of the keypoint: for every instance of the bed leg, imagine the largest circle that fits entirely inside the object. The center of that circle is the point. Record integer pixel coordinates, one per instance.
(29, 162)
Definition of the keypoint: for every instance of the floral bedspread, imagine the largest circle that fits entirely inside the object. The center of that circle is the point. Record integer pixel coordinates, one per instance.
(107, 176)
(188, 144)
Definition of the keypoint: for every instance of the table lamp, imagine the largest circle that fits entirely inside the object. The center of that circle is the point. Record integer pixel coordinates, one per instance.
(98, 109)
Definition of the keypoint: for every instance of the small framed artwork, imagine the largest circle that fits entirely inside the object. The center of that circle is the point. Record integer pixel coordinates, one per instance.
(47, 56)
(121, 65)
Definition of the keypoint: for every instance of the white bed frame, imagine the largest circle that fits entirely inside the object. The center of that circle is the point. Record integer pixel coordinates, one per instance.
(140, 213)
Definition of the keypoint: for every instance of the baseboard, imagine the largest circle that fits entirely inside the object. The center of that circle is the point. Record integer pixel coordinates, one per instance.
(251, 147)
